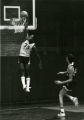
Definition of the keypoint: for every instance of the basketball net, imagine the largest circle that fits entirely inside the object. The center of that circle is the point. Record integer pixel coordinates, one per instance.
(19, 25)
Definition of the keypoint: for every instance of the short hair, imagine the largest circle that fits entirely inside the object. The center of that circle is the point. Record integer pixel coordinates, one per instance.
(71, 58)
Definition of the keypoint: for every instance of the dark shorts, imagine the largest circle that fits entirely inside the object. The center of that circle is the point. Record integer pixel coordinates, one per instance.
(23, 60)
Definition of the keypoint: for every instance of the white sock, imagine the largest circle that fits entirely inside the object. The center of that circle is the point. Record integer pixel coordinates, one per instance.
(23, 81)
(28, 84)
(62, 110)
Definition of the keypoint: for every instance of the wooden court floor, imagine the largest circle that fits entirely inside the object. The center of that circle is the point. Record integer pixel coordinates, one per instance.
(41, 112)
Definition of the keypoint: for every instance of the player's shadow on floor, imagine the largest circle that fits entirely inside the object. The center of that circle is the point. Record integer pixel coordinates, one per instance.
(56, 118)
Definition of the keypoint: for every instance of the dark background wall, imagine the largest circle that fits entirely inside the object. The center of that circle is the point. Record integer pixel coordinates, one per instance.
(60, 31)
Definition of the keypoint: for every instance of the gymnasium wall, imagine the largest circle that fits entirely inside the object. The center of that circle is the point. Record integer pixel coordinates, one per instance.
(60, 31)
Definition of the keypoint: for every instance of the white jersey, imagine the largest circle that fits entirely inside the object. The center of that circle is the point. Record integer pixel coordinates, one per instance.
(26, 48)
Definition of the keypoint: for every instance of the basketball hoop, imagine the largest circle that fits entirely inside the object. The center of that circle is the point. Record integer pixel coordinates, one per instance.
(19, 25)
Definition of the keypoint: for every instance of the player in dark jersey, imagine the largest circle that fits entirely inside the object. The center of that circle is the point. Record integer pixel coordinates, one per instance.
(67, 85)
(24, 61)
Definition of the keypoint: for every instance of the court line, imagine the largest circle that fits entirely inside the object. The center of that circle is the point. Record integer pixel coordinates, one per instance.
(70, 109)
(67, 108)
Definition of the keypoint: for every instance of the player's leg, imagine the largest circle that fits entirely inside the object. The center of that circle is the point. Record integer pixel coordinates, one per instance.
(22, 71)
(61, 95)
(73, 99)
(27, 69)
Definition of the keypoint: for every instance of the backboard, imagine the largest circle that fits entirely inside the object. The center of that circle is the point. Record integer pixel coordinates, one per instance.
(12, 10)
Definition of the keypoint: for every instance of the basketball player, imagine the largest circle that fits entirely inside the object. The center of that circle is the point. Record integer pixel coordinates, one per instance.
(67, 85)
(21, 28)
(24, 61)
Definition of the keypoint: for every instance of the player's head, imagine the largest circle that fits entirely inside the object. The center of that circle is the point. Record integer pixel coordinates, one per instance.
(70, 58)
(24, 14)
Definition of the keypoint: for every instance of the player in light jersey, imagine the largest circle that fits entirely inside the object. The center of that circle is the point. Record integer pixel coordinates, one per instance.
(24, 61)
(67, 85)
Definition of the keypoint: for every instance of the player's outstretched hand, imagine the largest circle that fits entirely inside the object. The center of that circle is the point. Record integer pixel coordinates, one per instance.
(57, 82)
(60, 73)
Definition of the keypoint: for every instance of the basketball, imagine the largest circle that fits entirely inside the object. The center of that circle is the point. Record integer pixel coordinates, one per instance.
(24, 14)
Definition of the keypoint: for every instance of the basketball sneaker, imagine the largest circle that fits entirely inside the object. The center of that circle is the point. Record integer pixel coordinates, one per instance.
(75, 100)
(61, 114)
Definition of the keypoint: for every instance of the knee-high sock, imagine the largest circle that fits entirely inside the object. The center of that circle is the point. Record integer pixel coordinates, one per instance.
(23, 81)
(28, 84)
(62, 110)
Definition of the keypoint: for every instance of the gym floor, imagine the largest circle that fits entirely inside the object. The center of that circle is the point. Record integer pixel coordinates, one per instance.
(41, 112)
